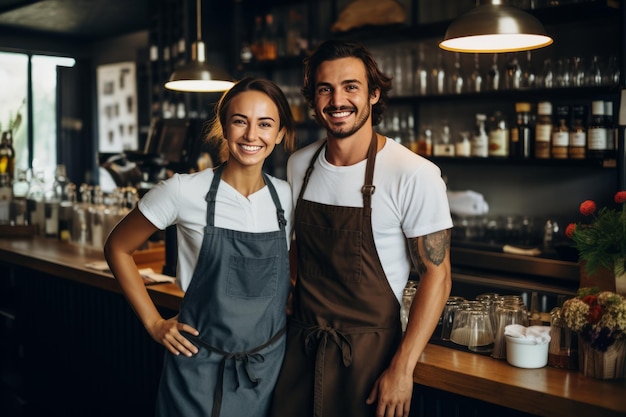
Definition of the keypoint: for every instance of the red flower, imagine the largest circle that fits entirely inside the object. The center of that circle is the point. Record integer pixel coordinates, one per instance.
(595, 313)
(570, 229)
(587, 207)
(590, 300)
(620, 197)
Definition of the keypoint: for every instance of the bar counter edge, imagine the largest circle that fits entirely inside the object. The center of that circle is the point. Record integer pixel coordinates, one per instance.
(544, 391)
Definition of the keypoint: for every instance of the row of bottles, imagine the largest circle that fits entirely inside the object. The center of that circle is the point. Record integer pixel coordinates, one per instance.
(536, 131)
(281, 32)
(425, 70)
(83, 216)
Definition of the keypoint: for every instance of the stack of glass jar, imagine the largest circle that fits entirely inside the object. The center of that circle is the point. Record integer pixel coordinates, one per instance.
(58, 210)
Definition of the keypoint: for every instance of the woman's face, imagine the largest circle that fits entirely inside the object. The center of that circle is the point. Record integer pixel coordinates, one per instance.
(252, 128)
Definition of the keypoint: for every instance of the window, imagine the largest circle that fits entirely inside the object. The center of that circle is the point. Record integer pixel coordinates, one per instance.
(36, 148)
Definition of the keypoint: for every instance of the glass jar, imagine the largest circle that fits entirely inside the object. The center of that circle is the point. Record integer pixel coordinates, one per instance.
(563, 351)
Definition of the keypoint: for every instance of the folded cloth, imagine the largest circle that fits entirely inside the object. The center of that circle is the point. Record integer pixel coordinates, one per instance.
(537, 334)
(467, 203)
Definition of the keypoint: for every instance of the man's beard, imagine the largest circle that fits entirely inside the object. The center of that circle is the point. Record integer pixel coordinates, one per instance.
(339, 133)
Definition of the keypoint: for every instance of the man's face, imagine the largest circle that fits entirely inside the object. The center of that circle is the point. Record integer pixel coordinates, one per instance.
(343, 104)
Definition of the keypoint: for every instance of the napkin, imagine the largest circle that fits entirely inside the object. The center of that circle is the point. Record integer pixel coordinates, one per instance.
(539, 334)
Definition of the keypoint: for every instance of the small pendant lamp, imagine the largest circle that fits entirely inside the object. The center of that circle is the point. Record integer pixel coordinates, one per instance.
(493, 28)
(198, 75)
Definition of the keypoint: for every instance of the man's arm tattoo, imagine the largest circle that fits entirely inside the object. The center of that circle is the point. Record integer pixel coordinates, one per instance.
(435, 247)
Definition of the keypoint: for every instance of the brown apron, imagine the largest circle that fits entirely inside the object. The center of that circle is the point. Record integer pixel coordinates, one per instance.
(346, 322)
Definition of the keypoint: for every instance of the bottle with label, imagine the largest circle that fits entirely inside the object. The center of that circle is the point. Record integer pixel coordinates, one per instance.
(560, 133)
(425, 142)
(480, 140)
(498, 136)
(463, 147)
(597, 140)
(7, 155)
(443, 145)
(578, 133)
(611, 131)
(521, 132)
(543, 130)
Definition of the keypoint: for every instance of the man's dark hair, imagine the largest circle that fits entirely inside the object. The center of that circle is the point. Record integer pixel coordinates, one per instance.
(334, 49)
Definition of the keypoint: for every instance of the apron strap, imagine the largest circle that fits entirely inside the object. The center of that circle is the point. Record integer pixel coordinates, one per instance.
(212, 195)
(244, 357)
(368, 188)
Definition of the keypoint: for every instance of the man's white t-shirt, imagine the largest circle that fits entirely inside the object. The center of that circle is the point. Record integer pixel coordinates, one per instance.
(181, 200)
(409, 200)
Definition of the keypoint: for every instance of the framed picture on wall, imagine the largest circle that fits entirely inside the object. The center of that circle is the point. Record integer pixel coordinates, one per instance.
(117, 107)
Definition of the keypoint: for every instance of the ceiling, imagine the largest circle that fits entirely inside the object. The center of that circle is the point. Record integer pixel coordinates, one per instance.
(84, 20)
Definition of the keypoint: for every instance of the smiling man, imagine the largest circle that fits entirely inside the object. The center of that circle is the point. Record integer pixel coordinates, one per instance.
(366, 207)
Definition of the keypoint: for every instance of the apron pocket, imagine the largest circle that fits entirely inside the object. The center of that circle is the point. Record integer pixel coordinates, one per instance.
(252, 277)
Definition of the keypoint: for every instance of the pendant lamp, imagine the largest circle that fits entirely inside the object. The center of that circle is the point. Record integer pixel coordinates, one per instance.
(198, 75)
(495, 27)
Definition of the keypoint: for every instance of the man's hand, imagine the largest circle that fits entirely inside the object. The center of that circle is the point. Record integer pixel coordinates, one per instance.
(393, 390)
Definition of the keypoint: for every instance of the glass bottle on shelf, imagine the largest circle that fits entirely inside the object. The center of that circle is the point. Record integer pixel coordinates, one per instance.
(438, 76)
(597, 139)
(420, 79)
(528, 73)
(560, 133)
(513, 73)
(493, 76)
(443, 144)
(476, 79)
(463, 146)
(521, 132)
(480, 140)
(611, 131)
(457, 78)
(578, 133)
(81, 232)
(498, 136)
(543, 130)
(425, 142)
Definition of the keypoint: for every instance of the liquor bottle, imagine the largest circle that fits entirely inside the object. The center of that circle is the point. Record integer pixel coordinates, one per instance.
(521, 132)
(7, 155)
(425, 142)
(560, 133)
(270, 38)
(63, 189)
(443, 144)
(597, 140)
(498, 136)
(420, 79)
(480, 140)
(578, 133)
(611, 131)
(463, 147)
(543, 130)
(95, 217)
(81, 230)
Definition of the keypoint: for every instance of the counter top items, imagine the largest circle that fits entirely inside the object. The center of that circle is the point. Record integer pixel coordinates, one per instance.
(527, 347)
(467, 203)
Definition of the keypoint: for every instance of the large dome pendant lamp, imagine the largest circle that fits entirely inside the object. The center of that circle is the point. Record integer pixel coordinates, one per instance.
(495, 27)
(198, 75)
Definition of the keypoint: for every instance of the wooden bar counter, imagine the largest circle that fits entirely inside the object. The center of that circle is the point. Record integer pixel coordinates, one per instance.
(545, 391)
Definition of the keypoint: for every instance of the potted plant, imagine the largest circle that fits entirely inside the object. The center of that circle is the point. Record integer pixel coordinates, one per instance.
(599, 319)
(601, 243)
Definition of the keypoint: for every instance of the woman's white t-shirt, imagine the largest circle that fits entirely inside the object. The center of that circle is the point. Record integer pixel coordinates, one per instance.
(409, 200)
(180, 200)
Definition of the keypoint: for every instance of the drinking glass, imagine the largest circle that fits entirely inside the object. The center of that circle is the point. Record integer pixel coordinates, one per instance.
(452, 305)
(510, 310)
(407, 299)
(480, 331)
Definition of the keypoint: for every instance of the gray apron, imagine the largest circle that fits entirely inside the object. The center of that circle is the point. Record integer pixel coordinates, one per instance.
(345, 326)
(236, 300)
